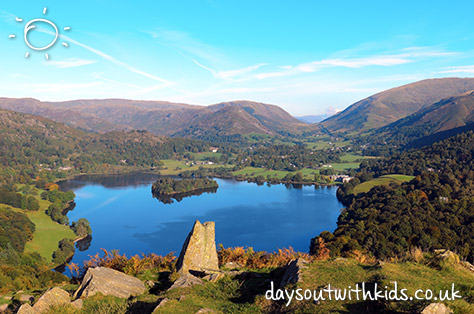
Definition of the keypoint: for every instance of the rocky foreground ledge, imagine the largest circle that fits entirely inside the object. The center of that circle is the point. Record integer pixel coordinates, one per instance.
(196, 265)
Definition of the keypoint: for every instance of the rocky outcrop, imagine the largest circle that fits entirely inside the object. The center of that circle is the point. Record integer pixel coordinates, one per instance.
(293, 272)
(199, 250)
(186, 280)
(109, 282)
(436, 308)
(78, 304)
(214, 277)
(52, 297)
(26, 309)
(448, 256)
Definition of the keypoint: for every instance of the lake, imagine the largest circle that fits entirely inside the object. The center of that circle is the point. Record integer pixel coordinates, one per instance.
(124, 215)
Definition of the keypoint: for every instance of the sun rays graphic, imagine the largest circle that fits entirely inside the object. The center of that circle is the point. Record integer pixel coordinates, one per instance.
(31, 25)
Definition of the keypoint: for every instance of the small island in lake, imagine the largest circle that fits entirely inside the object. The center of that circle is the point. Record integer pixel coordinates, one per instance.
(166, 188)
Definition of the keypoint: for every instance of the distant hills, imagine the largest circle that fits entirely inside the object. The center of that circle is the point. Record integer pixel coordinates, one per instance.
(389, 106)
(437, 121)
(404, 113)
(164, 118)
(313, 118)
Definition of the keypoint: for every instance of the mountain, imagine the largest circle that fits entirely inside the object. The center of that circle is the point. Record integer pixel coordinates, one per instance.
(389, 106)
(29, 141)
(440, 120)
(164, 118)
(312, 118)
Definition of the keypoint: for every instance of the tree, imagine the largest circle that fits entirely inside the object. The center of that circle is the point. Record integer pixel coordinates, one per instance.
(81, 227)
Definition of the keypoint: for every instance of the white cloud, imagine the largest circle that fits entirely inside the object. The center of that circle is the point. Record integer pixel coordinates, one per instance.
(458, 69)
(186, 44)
(71, 63)
(112, 59)
(7, 17)
(406, 55)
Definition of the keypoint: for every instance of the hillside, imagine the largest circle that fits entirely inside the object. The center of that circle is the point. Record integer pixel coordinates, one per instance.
(35, 143)
(389, 106)
(444, 117)
(164, 118)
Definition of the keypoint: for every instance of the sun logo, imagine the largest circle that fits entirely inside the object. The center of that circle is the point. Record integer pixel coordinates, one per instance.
(31, 25)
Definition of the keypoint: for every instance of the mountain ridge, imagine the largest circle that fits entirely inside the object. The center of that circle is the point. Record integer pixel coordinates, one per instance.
(161, 117)
(396, 103)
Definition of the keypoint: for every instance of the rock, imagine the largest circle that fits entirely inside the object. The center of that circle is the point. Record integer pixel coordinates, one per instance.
(232, 265)
(448, 256)
(186, 280)
(3, 307)
(25, 298)
(150, 284)
(436, 308)
(26, 309)
(182, 298)
(54, 296)
(468, 266)
(199, 250)
(77, 304)
(160, 304)
(214, 277)
(109, 282)
(293, 271)
(206, 310)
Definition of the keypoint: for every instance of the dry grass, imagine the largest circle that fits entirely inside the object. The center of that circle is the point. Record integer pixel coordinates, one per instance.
(258, 260)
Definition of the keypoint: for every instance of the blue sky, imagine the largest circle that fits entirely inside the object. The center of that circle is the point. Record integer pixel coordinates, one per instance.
(309, 57)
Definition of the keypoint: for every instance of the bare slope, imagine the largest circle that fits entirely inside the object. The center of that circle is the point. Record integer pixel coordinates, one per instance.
(389, 106)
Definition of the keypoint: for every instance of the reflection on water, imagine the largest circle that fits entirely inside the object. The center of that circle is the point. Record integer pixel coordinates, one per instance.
(169, 199)
(110, 180)
(124, 215)
(84, 244)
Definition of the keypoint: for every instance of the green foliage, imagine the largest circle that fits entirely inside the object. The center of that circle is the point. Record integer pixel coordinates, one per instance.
(435, 210)
(286, 157)
(81, 227)
(15, 229)
(64, 252)
(170, 186)
(10, 197)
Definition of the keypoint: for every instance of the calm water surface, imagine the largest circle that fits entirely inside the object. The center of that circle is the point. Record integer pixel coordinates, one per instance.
(125, 216)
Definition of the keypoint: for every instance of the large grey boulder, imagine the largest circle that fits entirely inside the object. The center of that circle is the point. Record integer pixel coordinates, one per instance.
(199, 250)
(436, 308)
(109, 282)
(26, 309)
(52, 297)
(293, 272)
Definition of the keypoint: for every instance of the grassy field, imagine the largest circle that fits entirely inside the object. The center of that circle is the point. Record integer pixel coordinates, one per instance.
(408, 275)
(202, 156)
(345, 166)
(326, 143)
(174, 167)
(353, 157)
(253, 172)
(399, 177)
(365, 187)
(48, 233)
